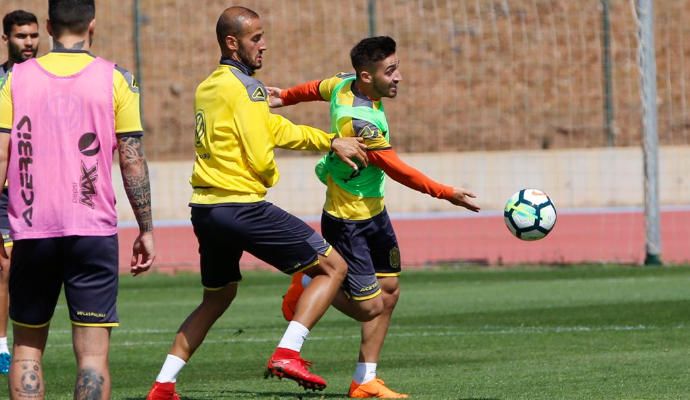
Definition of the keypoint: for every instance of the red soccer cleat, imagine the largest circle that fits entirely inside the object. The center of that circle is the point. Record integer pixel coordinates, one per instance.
(284, 364)
(163, 391)
(292, 295)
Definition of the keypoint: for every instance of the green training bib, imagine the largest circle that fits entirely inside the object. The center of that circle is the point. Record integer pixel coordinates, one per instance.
(365, 182)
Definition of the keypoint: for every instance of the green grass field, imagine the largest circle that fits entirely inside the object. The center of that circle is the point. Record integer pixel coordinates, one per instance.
(585, 332)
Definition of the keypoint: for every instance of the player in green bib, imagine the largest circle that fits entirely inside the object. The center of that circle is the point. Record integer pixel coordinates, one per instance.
(367, 182)
(354, 218)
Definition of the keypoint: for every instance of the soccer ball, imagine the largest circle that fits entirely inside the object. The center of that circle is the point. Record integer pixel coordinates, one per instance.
(529, 214)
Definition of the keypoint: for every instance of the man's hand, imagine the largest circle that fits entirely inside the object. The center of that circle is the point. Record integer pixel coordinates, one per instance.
(462, 197)
(143, 253)
(348, 148)
(274, 100)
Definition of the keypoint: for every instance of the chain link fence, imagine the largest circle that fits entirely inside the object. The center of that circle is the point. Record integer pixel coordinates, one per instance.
(478, 74)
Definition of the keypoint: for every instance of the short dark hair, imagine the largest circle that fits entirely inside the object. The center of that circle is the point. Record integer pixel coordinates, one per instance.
(73, 16)
(371, 50)
(18, 18)
(231, 22)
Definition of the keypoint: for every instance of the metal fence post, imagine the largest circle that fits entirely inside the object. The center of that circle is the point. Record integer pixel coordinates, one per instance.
(372, 17)
(650, 138)
(607, 80)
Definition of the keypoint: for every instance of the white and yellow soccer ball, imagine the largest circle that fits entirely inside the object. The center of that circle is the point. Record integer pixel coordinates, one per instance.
(529, 214)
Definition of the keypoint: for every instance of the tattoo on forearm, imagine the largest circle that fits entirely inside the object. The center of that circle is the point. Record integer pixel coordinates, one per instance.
(89, 385)
(76, 46)
(135, 177)
(30, 385)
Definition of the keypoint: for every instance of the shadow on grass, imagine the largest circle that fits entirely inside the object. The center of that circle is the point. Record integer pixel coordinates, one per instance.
(242, 394)
(246, 394)
(280, 395)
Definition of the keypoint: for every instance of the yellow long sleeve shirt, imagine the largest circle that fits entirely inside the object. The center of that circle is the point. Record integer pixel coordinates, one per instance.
(236, 135)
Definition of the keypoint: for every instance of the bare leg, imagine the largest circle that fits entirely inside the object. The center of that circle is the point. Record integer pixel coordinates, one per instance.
(327, 277)
(4, 291)
(91, 344)
(374, 331)
(194, 329)
(365, 381)
(26, 373)
(362, 311)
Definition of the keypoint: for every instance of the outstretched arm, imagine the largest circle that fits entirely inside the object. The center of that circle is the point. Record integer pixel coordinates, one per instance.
(301, 137)
(346, 149)
(308, 91)
(397, 169)
(135, 177)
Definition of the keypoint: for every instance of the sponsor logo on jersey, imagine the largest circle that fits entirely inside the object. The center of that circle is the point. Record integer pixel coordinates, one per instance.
(88, 175)
(25, 160)
(369, 132)
(199, 128)
(259, 94)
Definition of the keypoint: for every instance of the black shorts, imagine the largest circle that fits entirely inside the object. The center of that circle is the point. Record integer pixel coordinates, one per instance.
(86, 265)
(4, 219)
(370, 249)
(268, 232)
(4, 201)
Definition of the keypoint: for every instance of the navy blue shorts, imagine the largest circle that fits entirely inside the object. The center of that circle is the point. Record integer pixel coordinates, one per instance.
(4, 219)
(86, 265)
(370, 249)
(268, 232)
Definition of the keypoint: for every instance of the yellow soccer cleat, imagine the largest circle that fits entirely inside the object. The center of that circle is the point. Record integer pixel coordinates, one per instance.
(375, 388)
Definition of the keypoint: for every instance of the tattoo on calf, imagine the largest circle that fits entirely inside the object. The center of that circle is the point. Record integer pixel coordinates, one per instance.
(30, 381)
(89, 385)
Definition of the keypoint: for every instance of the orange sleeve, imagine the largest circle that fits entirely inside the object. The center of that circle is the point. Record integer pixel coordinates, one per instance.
(308, 91)
(397, 169)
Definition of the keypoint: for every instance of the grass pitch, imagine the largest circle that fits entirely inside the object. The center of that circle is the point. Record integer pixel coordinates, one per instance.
(584, 332)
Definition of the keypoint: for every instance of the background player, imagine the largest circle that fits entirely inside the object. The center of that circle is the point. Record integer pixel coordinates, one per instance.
(64, 225)
(20, 33)
(354, 218)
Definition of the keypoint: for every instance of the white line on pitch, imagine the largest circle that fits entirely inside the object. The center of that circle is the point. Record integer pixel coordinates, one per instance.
(493, 330)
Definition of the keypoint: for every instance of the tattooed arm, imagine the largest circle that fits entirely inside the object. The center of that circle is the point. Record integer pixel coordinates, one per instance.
(135, 176)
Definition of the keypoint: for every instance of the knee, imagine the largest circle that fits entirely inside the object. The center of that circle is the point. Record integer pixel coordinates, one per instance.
(334, 266)
(375, 309)
(390, 297)
(370, 309)
(219, 300)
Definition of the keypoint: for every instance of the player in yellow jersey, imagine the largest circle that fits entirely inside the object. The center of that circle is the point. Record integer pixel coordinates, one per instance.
(20, 33)
(235, 165)
(354, 217)
(62, 116)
